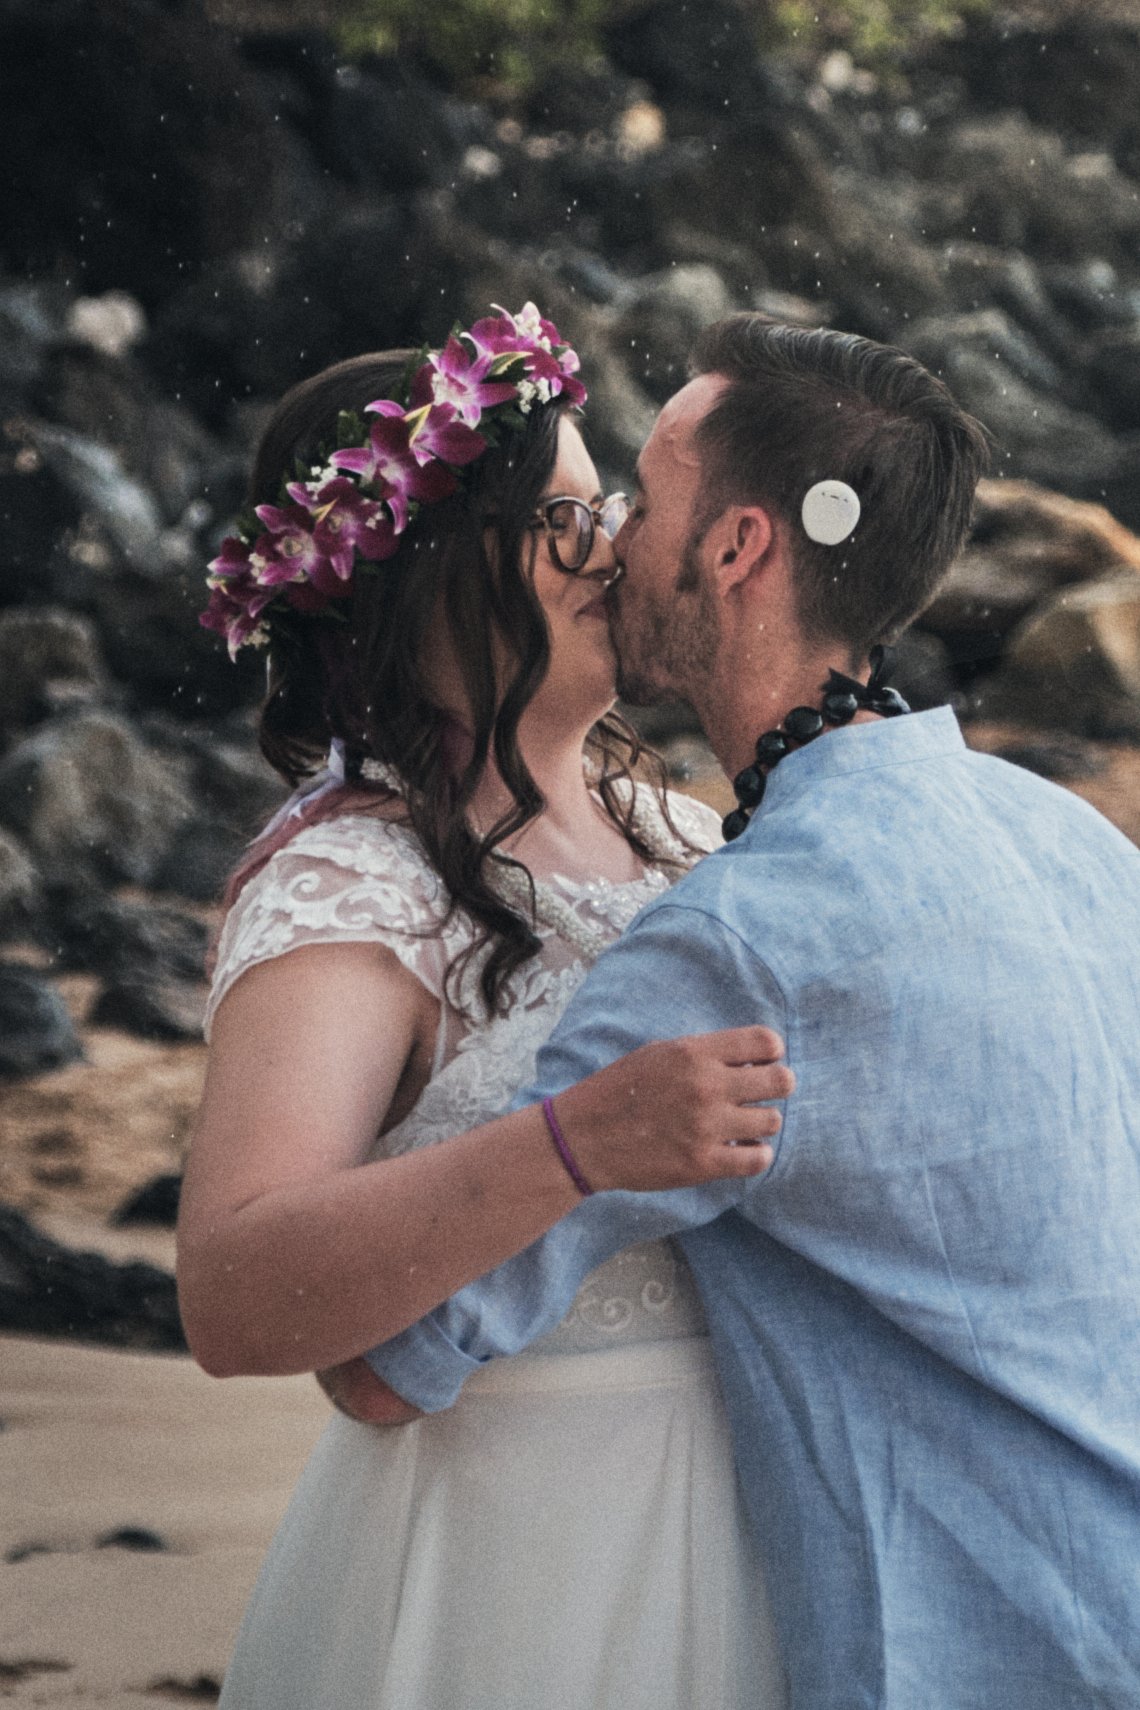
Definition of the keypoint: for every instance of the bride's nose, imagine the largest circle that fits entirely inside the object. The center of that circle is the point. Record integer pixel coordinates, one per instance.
(603, 564)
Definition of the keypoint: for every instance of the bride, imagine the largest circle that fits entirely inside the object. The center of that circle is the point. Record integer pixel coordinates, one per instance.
(431, 586)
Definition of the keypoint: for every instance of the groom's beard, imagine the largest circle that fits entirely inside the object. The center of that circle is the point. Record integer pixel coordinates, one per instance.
(667, 643)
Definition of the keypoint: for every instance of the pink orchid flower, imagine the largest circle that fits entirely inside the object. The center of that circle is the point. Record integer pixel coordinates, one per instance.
(290, 552)
(343, 519)
(497, 336)
(388, 465)
(501, 333)
(553, 372)
(535, 327)
(436, 432)
(232, 561)
(548, 365)
(234, 611)
(459, 377)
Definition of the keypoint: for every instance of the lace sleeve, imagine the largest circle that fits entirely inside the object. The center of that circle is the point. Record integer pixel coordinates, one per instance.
(350, 880)
(696, 821)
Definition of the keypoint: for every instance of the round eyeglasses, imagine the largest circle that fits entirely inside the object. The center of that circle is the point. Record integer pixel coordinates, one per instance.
(571, 525)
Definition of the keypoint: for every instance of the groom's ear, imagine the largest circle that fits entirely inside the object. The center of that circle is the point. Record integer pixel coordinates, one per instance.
(741, 543)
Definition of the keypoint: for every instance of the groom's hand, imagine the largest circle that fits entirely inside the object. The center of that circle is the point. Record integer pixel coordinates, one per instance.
(680, 1112)
(354, 1389)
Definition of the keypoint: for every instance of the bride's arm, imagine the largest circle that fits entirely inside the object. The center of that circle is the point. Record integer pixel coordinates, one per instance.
(675, 967)
(294, 1254)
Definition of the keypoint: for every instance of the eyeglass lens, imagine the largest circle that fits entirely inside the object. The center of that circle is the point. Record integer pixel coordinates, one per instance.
(571, 524)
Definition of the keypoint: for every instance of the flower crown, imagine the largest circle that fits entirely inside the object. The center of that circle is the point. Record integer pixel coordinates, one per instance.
(355, 504)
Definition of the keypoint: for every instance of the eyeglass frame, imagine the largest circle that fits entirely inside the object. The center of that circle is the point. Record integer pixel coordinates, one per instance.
(595, 514)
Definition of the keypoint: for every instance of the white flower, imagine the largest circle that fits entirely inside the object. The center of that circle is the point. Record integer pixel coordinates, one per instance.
(529, 323)
(529, 390)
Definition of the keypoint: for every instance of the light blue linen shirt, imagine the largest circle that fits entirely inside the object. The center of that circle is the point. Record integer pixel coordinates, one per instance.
(927, 1314)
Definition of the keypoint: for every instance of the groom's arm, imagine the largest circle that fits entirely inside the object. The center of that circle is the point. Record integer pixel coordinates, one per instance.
(678, 971)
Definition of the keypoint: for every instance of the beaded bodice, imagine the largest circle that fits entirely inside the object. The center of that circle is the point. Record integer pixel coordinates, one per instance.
(359, 879)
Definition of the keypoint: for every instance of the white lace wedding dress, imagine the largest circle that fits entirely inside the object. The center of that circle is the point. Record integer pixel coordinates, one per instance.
(570, 1535)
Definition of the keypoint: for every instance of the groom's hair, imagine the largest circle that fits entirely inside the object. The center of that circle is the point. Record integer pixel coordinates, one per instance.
(810, 404)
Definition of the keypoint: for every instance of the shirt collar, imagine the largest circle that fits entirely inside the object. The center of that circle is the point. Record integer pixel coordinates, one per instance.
(902, 741)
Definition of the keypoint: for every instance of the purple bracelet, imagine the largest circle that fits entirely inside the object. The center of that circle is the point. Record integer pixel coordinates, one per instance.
(563, 1150)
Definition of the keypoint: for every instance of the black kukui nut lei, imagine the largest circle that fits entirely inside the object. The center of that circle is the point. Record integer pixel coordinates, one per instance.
(843, 697)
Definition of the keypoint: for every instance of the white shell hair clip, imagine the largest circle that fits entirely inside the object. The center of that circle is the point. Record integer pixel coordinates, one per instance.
(830, 512)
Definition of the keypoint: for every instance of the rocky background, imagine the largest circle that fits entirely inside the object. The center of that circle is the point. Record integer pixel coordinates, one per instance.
(198, 207)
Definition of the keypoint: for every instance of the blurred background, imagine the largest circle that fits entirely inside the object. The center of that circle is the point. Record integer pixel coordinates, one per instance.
(202, 201)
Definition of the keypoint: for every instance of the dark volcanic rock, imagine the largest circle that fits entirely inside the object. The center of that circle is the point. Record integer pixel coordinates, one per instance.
(148, 626)
(201, 1688)
(233, 785)
(132, 1538)
(1062, 761)
(923, 671)
(151, 959)
(159, 150)
(124, 940)
(1114, 371)
(49, 662)
(1000, 374)
(362, 277)
(90, 800)
(19, 887)
(376, 125)
(991, 335)
(36, 508)
(114, 400)
(579, 97)
(155, 1202)
(662, 317)
(46, 1289)
(94, 476)
(979, 276)
(23, 1553)
(1074, 664)
(152, 1007)
(1026, 544)
(36, 1031)
(1079, 75)
(201, 857)
(1093, 295)
(1019, 187)
(701, 57)
(31, 319)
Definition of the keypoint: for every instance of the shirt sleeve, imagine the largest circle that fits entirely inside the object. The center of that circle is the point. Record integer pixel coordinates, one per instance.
(677, 971)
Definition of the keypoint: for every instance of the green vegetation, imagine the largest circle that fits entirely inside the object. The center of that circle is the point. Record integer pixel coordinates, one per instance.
(506, 42)
(512, 43)
(874, 32)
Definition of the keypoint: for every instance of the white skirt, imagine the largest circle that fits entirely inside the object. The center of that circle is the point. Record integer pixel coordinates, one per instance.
(568, 1537)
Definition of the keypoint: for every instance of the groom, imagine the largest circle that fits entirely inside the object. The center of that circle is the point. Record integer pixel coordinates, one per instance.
(927, 1312)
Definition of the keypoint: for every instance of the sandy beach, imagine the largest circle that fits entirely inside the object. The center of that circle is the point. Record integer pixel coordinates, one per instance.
(96, 1444)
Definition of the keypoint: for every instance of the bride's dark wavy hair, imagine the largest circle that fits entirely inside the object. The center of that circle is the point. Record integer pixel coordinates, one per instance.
(356, 673)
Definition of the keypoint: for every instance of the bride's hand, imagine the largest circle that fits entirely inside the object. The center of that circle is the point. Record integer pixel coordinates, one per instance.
(354, 1389)
(679, 1112)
